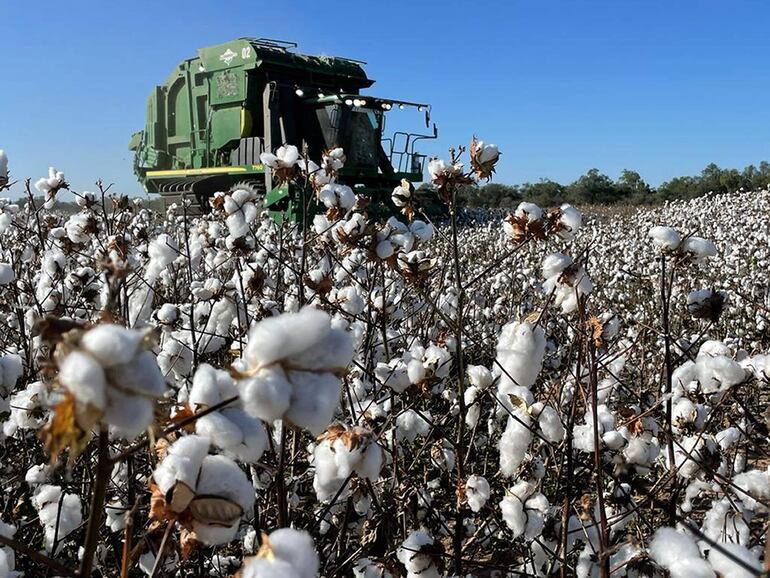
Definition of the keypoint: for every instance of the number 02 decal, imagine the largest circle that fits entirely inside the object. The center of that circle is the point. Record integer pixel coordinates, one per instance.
(246, 52)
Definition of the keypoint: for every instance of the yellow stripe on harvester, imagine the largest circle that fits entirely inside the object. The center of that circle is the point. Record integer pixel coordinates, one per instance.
(208, 171)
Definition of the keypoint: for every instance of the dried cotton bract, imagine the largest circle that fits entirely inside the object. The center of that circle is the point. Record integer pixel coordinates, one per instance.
(289, 369)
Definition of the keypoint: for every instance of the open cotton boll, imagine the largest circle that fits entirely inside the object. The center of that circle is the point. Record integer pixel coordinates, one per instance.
(306, 342)
(59, 514)
(476, 492)
(669, 545)
(554, 264)
(692, 451)
(524, 510)
(209, 492)
(286, 553)
(479, 376)
(111, 344)
(550, 424)
(336, 195)
(303, 340)
(414, 553)
(665, 239)
(718, 373)
(529, 210)
(722, 563)
(410, 424)
(520, 352)
(698, 247)
(393, 374)
(340, 452)
(514, 442)
(570, 220)
(753, 489)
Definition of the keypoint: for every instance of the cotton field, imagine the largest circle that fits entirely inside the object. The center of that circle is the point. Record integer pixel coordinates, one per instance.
(569, 391)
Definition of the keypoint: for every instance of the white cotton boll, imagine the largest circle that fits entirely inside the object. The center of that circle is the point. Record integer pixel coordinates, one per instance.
(211, 386)
(727, 567)
(421, 230)
(529, 210)
(410, 424)
(692, 451)
(140, 375)
(336, 195)
(665, 239)
(304, 340)
(6, 274)
(393, 374)
(477, 492)
(479, 376)
(53, 507)
(163, 249)
(520, 352)
(473, 409)
(116, 515)
(267, 394)
(412, 555)
(221, 476)
(570, 220)
(128, 414)
(691, 568)
(315, 397)
(718, 373)
(753, 488)
(551, 425)
(669, 546)
(612, 439)
(514, 442)
(111, 344)
(698, 247)
(687, 416)
(84, 377)
(554, 264)
(182, 462)
(288, 553)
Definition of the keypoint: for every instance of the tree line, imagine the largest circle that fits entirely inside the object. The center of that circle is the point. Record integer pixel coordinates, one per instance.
(630, 188)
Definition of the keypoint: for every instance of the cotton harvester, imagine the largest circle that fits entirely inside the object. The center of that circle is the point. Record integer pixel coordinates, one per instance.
(216, 113)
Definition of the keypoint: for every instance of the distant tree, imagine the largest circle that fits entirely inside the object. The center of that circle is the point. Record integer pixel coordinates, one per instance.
(545, 193)
(633, 188)
(594, 188)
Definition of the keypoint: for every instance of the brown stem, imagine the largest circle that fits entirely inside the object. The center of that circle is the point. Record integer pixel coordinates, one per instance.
(36, 556)
(103, 470)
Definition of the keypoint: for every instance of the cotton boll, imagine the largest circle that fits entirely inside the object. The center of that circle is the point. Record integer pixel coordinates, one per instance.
(520, 352)
(479, 376)
(315, 397)
(753, 488)
(718, 373)
(413, 555)
(514, 442)
(393, 374)
(287, 553)
(11, 369)
(267, 394)
(668, 546)
(111, 344)
(477, 492)
(698, 247)
(410, 424)
(84, 377)
(665, 239)
(550, 425)
(726, 566)
(570, 220)
(182, 462)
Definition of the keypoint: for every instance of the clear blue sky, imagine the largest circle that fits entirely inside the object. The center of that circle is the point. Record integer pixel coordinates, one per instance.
(661, 86)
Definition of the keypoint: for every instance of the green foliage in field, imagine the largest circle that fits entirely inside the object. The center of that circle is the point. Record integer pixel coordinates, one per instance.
(630, 189)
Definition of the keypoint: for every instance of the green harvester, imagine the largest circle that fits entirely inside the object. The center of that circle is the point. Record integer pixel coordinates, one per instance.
(216, 113)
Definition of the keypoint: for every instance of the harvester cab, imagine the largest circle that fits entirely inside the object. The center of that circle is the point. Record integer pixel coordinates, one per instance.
(216, 113)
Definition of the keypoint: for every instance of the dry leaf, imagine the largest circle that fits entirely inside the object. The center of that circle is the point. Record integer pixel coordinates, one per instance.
(64, 431)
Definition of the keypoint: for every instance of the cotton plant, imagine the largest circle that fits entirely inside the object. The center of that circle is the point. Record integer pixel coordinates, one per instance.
(289, 369)
(524, 510)
(567, 281)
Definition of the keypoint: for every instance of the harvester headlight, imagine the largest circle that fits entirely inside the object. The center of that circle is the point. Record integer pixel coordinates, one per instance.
(299, 92)
(321, 94)
(401, 106)
(357, 102)
(419, 109)
(348, 102)
(363, 102)
(387, 105)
